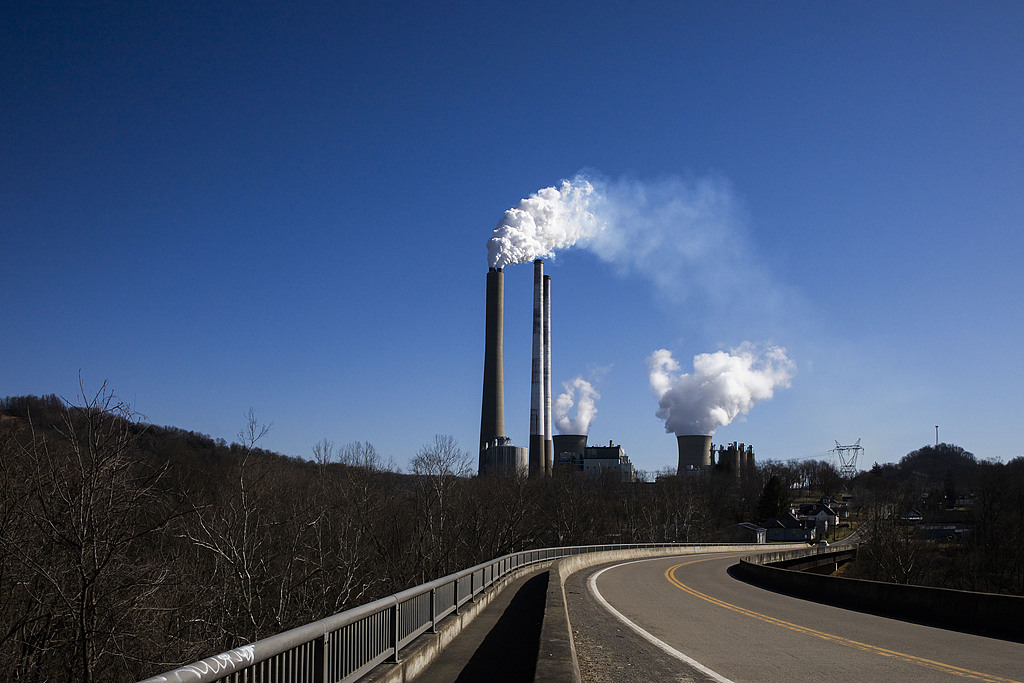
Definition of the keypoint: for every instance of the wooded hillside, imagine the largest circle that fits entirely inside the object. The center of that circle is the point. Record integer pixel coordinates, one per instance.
(127, 549)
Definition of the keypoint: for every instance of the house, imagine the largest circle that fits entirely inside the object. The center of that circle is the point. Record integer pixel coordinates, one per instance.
(821, 515)
(787, 528)
(942, 532)
(912, 517)
(744, 532)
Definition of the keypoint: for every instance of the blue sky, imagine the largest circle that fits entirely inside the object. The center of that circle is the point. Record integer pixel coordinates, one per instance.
(286, 207)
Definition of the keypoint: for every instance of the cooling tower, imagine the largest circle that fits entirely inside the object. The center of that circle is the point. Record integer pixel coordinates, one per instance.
(549, 448)
(537, 418)
(694, 452)
(492, 414)
(570, 443)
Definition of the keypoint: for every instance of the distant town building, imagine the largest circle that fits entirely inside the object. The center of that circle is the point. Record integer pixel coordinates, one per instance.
(744, 532)
(788, 528)
(821, 514)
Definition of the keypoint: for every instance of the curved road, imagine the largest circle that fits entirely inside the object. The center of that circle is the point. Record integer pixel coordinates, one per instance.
(684, 618)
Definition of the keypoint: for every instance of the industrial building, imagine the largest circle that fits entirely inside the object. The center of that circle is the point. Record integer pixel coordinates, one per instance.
(574, 456)
(504, 458)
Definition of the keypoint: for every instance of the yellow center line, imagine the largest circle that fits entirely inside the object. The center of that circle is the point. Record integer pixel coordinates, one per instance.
(947, 668)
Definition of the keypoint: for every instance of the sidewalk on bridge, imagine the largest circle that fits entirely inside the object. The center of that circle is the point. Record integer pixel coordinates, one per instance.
(500, 644)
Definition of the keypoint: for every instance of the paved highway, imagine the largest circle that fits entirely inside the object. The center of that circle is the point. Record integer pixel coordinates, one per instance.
(684, 618)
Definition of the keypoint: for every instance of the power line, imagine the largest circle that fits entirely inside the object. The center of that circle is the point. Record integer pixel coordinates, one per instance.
(815, 456)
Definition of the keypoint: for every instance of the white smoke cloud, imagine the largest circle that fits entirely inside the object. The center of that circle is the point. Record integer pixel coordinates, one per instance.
(722, 387)
(585, 406)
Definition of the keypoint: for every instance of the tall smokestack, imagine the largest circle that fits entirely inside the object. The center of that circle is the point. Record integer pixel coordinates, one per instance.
(492, 414)
(694, 452)
(549, 446)
(537, 418)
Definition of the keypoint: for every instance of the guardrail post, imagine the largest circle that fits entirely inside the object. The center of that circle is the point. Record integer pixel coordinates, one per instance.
(433, 610)
(321, 656)
(394, 631)
(456, 595)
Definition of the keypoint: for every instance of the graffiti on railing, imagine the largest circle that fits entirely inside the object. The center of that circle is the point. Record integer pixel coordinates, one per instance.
(226, 662)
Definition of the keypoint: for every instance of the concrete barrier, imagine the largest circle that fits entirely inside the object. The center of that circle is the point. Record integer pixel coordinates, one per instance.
(988, 614)
(810, 559)
(557, 660)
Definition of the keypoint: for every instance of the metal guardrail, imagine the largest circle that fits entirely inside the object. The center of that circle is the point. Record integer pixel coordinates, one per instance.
(347, 645)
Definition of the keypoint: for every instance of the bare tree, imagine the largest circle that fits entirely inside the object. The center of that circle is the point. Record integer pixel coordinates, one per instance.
(324, 455)
(344, 508)
(438, 464)
(441, 460)
(232, 527)
(897, 553)
(87, 510)
(363, 455)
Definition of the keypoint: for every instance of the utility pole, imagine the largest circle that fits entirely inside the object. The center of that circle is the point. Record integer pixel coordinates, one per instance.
(936, 436)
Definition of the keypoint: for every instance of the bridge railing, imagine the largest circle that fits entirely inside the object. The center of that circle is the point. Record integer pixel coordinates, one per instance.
(988, 614)
(347, 645)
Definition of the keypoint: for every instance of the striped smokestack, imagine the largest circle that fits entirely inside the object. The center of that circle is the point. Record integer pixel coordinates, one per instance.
(492, 414)
(549, 446)
(537, 417)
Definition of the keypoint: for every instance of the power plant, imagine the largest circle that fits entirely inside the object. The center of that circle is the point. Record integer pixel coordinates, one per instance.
(565, 452)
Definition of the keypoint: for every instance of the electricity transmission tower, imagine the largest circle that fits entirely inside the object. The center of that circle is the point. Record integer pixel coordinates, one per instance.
(848, 458)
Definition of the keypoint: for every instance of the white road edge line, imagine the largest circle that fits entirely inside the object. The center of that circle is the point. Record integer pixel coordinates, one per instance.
(662, 645)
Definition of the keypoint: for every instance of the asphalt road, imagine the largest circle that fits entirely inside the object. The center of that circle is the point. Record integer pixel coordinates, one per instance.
(702, 624)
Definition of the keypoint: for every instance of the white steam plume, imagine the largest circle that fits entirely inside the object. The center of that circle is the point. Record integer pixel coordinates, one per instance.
(684, 235)
(722, 387)
(552, 218)
(585, 407)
